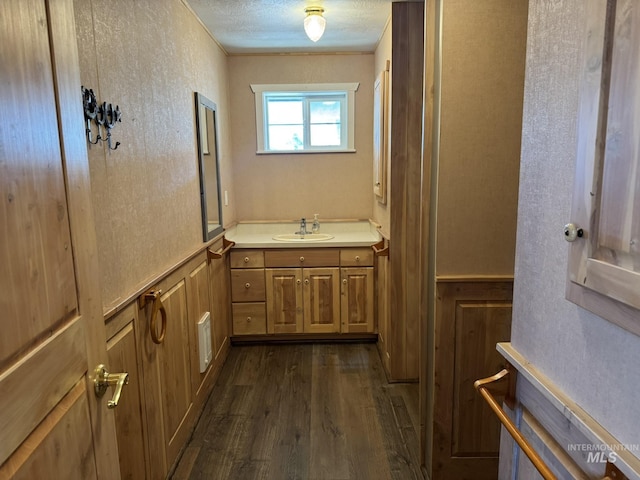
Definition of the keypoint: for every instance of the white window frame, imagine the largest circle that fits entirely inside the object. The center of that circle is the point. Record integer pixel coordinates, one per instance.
(306, 89)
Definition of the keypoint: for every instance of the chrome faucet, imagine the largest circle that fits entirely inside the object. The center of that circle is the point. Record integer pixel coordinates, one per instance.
(303, 227)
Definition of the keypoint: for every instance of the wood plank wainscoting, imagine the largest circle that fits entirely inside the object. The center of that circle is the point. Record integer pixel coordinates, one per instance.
(167, 392)
(472, 315)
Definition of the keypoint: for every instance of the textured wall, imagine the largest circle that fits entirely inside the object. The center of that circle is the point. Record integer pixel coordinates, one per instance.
(270, 187)
(149, 57)
(593, 361)
(483, 55)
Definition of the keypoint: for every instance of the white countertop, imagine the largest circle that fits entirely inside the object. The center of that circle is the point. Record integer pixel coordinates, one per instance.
(345, 234)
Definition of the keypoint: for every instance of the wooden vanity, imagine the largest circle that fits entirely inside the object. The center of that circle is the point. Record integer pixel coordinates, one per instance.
(309, 289)
(292, 291)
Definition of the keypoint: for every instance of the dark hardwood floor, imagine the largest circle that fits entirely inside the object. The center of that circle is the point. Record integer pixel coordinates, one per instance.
(305, 411)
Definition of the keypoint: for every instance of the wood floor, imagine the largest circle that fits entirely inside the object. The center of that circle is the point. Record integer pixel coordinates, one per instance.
(308, 411)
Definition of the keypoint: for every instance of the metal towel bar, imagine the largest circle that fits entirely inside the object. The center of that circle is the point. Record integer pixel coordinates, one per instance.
(611, 473)
(510, 426)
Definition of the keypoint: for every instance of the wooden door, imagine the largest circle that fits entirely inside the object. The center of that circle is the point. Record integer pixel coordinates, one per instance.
(321, 295)
(357, 300)
(53, 335)
(284, 300)
(604, 264)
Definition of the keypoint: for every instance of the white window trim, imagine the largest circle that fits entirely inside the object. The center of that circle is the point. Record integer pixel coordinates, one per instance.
(350, 88)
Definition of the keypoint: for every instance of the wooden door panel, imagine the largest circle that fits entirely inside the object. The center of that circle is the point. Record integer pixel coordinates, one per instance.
(167, 380)
(175, 375)
(382, 310)
(321, 296)
(604, 264)
(38, 282)
(123, 357)
(34, 386)
(284, 300)
(616, 243)
(61, 446)
(479, 326)
(471, 317)
(220, 305)
(357, 300)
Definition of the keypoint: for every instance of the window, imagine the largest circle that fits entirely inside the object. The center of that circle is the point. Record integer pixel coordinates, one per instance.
(305, 118)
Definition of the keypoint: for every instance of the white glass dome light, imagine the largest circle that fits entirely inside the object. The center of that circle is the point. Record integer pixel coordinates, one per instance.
(314, 23)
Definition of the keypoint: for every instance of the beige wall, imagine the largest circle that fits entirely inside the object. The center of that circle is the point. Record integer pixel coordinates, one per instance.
(274, 187)
(482, 91)
(382, 55)
(149, 57)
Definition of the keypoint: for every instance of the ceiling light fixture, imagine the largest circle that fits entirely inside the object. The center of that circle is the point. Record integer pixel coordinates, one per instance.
(314, 23)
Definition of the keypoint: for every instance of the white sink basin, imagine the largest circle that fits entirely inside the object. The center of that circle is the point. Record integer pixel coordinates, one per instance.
(294, 237)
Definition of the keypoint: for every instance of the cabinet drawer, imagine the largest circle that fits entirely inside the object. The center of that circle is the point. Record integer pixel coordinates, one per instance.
(247, 285)
(356, 257)
(307, 257)
(247, 259)
(249, 319)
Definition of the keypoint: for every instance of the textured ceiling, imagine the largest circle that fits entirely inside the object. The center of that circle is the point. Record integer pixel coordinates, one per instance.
(275, 26)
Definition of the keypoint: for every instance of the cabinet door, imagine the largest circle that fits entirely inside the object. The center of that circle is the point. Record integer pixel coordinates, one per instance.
(168, 380)
(604, 265)
(357, 300)
(220, 307)
(321, 300)
(284, 300)
(122, 348)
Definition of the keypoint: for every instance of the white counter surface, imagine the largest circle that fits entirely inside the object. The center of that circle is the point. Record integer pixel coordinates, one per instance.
(345, 234)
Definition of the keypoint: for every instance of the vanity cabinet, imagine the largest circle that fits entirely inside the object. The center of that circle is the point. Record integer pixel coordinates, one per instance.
(303, 300)
(357, 291)
(248, 292)
(302, 291)
(357, 300)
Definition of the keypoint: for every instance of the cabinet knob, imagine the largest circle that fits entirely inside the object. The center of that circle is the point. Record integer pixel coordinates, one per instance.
(358, 258)
(248, 319)
(247, 285)
(306, 281)
(344, 281)
(246, 259)
(298, 281)
(302, 259)
(571, 232)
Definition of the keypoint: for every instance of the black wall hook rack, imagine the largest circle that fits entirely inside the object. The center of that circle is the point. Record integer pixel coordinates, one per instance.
(103, 115)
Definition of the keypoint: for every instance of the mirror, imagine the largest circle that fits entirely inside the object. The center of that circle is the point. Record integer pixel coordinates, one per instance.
(207, 132)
